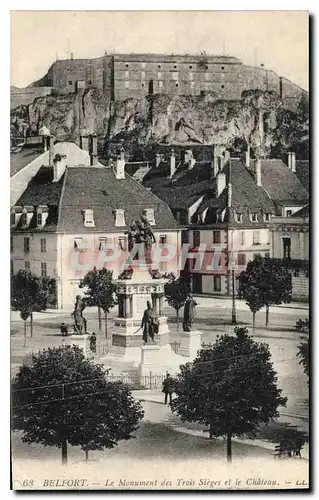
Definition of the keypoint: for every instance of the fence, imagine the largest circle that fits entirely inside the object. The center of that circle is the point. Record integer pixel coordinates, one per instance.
(137, 381)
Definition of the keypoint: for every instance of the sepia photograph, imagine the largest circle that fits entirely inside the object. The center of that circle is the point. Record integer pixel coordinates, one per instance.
(159, 250)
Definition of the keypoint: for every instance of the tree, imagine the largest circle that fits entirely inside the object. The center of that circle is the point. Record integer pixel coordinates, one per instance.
(230, 387)
(303, 354)
(176, 293)
(30, 293)
(101, 290)
(62, 398)
(265, 282)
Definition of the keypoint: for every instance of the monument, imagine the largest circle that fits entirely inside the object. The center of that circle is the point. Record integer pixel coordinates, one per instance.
(80, 335)
(141, 334)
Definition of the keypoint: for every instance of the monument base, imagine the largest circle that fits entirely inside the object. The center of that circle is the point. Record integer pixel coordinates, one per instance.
(81, 341)
(191, 343)
(159, 360)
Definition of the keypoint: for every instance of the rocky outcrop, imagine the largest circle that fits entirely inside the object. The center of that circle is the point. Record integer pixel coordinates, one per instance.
(257, 119)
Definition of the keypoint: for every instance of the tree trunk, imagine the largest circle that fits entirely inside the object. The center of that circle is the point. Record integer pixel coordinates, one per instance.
(25, 333)
(210, 431)
(31, 324)
(105, 321)
(267, 315)
(177, 320)
(86, 456)
(64, 452)
(99, 318)
(254, 314)
(228, 437)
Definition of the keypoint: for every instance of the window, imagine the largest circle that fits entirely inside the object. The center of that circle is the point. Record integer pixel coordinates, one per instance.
(90, 82)
(11, 244)
(175, 67)
(126, 65)
(191, 67)
(182, 217)
(185, 237)
(242, 237)
(12, 219)
(256, 238)
(26, 245)
(239, 217)
(103, 242)
(43, 269)
(256, 255)
(24, 219)
(223, 86)
(77, 244)
(216, 237)
(163, 239)
(149, 214)
(88, 218)
(267, 254)
(127, 85)
(43, 245)
(159, 66)
(206, 67)
(217, 283)
(70, 82)
(39, 219)
(27, 265)
(123, 243)
(267, 217)
(241, 259)
(119, 217)
(196, 238)
(288, 213)
(143, 84)
(176, 84)
(286, 242)
(254, 217)
(11, 267)
(223, 67)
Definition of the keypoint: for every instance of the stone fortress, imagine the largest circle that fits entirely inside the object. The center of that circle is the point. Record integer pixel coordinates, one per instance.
(122, 76)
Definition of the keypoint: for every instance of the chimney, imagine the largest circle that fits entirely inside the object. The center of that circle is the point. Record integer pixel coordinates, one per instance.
(93, 149)
(247, 157)
(258, 172)
(221, 183)
(84, 141)
(157, 159)
(289, 160)
(230, 193)
(220, 163)
(51, 149)
(172, 164)
(59, 166)
(293, 162)
(120, 166)
(215, 163)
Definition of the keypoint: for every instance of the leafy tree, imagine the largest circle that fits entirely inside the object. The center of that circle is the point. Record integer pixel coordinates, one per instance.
(62, 398)
(101, 290)
(303, 354)
(265, 282)
(176, 293)
(30, 293)
(230, 387)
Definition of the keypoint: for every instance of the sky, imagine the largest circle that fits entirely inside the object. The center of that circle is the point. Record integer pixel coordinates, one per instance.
(277, 39)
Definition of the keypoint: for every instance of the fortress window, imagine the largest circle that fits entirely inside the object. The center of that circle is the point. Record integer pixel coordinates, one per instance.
(126, 65)
(223, 67)
(70, 82)
(190, 67)
(90, 82)
(175, 67)
(159, 66)
(143, 84)
(223, 86)
(176, 84)
(206, 67)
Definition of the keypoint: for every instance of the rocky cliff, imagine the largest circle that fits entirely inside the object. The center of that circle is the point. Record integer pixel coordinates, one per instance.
(258, 119)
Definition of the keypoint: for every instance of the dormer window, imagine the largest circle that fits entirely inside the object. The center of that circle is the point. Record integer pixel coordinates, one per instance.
(88, 218)
(267, 217)
(12, 219)
(39, 219)
(149, 214)
(24, 219)
(254, 217)
(78, 244)
(239, 217)
(42, 215)
(119, 217)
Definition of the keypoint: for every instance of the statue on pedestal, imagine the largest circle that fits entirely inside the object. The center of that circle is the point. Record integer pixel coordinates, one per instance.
(79, 320)
(150, 323)
(189, 313)
(140, 232)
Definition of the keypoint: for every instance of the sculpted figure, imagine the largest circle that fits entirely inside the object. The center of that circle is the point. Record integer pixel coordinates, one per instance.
(79, 320)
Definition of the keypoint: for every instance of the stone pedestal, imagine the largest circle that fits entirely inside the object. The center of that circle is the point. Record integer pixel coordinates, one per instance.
(81, 341)
(191, 343)
(159, 360)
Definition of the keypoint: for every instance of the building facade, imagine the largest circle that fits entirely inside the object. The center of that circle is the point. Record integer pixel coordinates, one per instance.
(122, 76)
(73, 217)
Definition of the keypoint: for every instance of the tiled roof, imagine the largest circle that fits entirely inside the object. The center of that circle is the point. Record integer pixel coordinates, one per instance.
(23, 157)
(282, 185)
(93, 188)
(303, 212)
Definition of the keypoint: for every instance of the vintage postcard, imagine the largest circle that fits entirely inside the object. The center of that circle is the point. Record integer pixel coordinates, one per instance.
(159, 219)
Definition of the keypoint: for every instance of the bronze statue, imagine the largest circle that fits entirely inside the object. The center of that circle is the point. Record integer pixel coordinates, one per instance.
(140, 232)
(149, 324)
(126, 274)
(189, 313)
(79, 320)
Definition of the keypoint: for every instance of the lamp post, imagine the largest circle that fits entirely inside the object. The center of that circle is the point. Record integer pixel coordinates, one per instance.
(233, 311)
